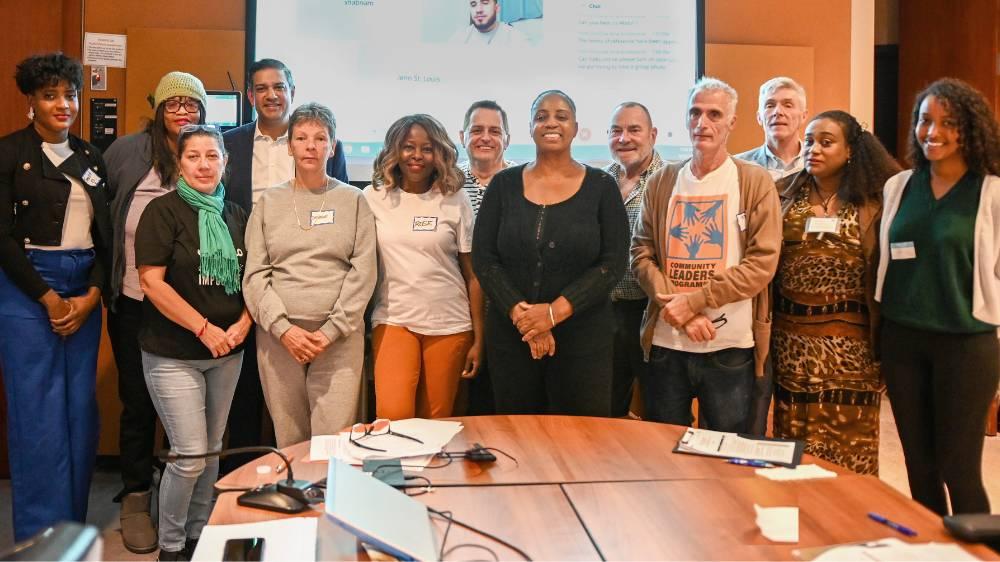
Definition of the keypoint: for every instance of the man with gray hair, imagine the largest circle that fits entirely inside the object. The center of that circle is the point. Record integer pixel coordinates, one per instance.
(781, 111)
(704, 249)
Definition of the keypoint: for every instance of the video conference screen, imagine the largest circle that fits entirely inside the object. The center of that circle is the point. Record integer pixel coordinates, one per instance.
(373, 61)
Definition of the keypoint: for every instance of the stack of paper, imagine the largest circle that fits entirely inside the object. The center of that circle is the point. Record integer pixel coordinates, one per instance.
(886, 549)
(721, 444)
(434, 434)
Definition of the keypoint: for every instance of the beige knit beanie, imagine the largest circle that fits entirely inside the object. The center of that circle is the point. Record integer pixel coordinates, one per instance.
(179, 84)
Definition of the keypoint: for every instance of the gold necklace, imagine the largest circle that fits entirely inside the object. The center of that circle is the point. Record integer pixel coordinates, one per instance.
(295, 207)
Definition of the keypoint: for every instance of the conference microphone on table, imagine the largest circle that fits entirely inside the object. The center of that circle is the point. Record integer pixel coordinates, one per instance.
(287, 496)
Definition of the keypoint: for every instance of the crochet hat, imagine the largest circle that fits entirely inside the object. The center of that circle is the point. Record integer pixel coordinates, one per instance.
(179, 84)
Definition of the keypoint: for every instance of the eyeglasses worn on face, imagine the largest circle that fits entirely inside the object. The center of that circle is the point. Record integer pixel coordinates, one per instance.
(173, 106)
(377, 427)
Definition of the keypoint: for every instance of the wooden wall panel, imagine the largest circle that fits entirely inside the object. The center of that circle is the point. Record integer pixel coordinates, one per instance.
(746, 67)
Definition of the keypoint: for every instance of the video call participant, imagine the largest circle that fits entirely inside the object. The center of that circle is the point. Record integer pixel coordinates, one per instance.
(781, 111)
(54, 236)
(486, 28)
(550, 243)
(310, 274)
(141, 167)
(704, 250)
(427, 314)
(631, 139)
(259, 159)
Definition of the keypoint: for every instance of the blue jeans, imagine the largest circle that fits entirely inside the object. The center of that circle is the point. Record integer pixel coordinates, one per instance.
(51, 396)
(192, 399)
(720, 380)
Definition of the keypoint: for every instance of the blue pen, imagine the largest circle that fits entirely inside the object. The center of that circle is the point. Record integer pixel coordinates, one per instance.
(892, 524)
(751, 462)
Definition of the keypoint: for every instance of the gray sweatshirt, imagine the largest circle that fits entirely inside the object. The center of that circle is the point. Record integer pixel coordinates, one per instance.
(321, 267)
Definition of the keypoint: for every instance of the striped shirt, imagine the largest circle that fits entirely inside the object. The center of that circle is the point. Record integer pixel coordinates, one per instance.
(627, 287)
(473, 188)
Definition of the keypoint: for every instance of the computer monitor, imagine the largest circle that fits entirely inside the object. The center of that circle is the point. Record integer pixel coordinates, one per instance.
(223, 109)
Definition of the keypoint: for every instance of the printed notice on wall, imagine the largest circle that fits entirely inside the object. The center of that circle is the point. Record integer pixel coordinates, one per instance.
(104, 49)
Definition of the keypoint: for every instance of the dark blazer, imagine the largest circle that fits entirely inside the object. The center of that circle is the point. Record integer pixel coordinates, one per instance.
(239, 145)
(33, 198)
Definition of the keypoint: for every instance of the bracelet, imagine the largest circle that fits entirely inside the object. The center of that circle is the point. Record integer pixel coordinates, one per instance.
(552, 317)
(203, 328)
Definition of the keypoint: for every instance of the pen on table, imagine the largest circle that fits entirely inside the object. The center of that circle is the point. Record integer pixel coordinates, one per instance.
(892, 524)
(281, 467)
(751, 462)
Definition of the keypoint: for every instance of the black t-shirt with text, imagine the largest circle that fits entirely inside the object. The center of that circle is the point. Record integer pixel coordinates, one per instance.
(167, 236)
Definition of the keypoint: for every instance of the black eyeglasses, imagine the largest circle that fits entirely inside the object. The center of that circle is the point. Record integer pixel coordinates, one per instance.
(377, 427)
(173, 106)
(720, 321)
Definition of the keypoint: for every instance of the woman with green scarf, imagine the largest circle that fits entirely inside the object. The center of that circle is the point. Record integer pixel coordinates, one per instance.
(190, 256)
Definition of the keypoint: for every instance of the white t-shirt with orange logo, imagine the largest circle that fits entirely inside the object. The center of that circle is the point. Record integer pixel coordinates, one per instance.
(704, 237)
(420, 284)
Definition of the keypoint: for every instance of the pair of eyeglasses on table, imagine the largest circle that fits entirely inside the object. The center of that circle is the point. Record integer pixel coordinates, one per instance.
(378, 427)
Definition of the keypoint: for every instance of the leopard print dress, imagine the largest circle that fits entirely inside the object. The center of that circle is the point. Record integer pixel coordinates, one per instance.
(828, 386)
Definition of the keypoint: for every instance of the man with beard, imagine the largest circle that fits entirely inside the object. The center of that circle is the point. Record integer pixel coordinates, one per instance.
(781, 112)
(485, 27)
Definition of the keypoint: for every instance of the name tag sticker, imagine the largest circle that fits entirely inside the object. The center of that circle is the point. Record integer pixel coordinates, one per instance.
(425, 224)
(903, 251)
(823, 224)
(317, 218)
(741, 221)
(90, 178)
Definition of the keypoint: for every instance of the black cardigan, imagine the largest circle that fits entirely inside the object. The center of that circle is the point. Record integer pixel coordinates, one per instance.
(580, 254)
(33, 199)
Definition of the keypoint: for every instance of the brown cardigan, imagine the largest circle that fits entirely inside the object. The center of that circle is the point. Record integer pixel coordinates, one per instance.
(869, 216)
(749, 279)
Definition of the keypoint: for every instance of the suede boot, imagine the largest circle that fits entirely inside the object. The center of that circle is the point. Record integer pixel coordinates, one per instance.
(138, 533)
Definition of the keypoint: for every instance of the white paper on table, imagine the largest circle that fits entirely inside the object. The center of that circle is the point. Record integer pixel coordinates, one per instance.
(435, 434)
(801, 472)
(284, 539)
(722, 444)
(779, 524)
(895, 549)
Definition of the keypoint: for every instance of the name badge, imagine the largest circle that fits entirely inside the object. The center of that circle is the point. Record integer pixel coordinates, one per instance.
(317, 218)
(425, 224)
(823, 224)
(90, 178)
(741, 221)
(903, 251)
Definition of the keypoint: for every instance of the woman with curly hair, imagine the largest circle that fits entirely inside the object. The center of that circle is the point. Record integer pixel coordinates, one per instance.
(939, 285)
(551, 242)
(54, 233)
(427, 314)
(827, 382)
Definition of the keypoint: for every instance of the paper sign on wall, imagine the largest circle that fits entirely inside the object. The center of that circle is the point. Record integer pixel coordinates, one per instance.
(104, 49)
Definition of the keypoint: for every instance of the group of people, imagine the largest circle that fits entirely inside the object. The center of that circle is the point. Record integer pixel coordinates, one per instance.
(243, 264)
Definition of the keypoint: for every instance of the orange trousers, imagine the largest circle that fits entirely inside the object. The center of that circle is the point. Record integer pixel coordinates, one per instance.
(417, 375)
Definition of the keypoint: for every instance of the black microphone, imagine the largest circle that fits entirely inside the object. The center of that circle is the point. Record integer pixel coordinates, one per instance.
(286, 496)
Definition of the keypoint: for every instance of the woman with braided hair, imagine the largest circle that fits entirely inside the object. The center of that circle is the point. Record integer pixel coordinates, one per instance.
(827, 381)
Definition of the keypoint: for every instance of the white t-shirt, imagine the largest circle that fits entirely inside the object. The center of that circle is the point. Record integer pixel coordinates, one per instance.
(79, 208)
(420, 284)
(704, 237)
(272, 165)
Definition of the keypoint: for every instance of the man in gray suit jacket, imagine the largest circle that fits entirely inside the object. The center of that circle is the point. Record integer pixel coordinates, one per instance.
(781, 111)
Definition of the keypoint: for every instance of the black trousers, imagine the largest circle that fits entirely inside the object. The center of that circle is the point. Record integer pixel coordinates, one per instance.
(940, 387)
(628, 364)
(246, 414)
(578, 385)
(137, 431)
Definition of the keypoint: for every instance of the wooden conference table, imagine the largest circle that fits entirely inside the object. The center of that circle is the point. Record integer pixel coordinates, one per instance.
(597, 488)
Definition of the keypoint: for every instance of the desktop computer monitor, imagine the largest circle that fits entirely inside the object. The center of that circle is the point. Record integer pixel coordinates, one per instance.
(223, 109)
